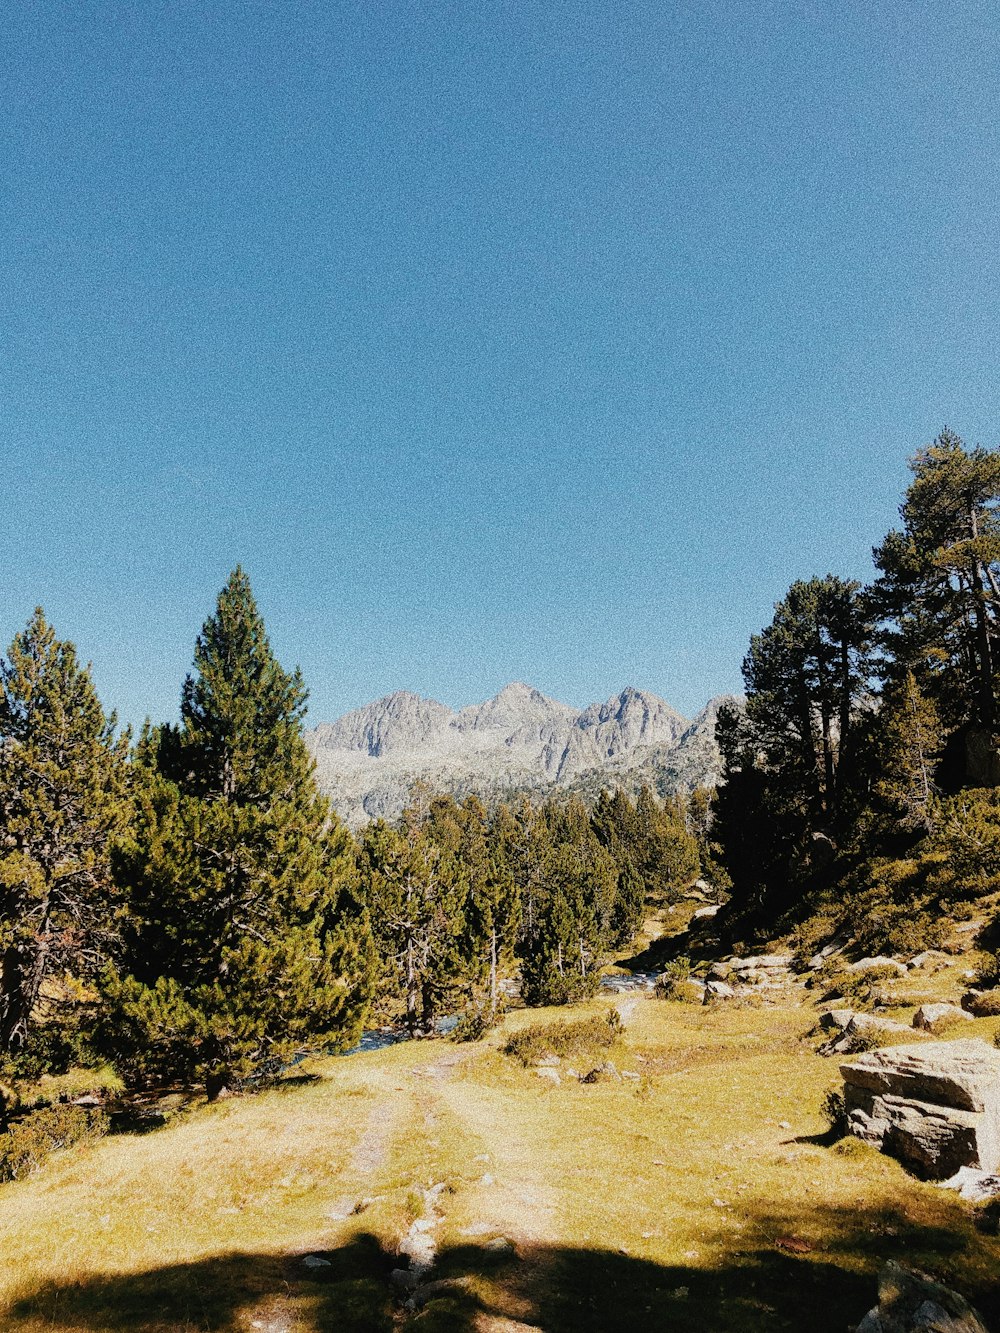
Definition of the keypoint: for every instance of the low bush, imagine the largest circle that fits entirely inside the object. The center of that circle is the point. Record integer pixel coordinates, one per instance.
(674, 977)
(28, 1142)
(583, 1037)
(834, 1110)
(474, 1024)
(862, 989)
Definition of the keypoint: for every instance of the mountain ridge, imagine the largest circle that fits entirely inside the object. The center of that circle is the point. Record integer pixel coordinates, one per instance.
(519, 740)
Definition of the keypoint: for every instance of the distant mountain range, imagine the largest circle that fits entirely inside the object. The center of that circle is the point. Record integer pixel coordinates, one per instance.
(368, 760)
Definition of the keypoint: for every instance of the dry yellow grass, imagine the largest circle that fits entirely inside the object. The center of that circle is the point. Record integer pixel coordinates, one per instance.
(700, 1193)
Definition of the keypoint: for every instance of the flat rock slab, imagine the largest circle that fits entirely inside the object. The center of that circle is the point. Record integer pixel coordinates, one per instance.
(935, 1107)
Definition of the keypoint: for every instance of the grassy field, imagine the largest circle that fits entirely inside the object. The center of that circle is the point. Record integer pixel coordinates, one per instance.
(702, 1193)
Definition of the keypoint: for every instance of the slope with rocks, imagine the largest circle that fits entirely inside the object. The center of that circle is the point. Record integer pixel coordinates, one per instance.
(521, 740)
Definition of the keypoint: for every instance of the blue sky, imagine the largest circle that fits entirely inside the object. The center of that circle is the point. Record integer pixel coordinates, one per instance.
(501, 340)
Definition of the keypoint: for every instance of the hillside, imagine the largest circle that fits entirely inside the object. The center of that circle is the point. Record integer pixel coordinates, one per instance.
(521, 740)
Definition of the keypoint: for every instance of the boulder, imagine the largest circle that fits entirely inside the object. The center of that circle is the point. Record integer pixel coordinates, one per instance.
(911, 1302)
(721, 970)
(937, 1017)
(703, 912)
(779, 961)
(863, 964)
(847, 1034)
(973, 1186)
(982, 1003)
(931, 960)
(718, 990)
(935, 1107)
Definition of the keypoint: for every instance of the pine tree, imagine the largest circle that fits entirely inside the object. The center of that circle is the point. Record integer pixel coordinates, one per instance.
(415, 891)
(911, 743)
(939, 594)
(62, 790)
(247, 943)
(572, 923)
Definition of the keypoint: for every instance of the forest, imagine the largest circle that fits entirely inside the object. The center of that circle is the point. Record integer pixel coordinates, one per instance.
(185, 905)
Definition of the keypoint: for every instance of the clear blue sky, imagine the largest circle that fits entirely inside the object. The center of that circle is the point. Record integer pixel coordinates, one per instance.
(521, 339)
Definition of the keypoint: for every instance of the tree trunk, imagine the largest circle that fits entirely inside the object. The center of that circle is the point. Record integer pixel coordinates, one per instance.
(493, 974)
(411, 988)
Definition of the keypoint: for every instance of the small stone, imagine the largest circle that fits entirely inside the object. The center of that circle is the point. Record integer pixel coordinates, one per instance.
(783, 1124)
(402, 1279)
(314, 1261)
(500, 1245)
(486, 1180)
(720, 1203)
(550, 1075)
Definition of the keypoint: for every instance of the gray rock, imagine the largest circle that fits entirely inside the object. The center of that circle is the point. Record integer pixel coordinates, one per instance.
(778, 961)
(934, 1107)
(551, 1075)
(982, 1003)
(937, 1017)
(718, 990)
(721, 970)
(500, 1245)
(839, 1019)
(864, 963)
(315, 1261)
(911, 1302)
(973, 1186)
(931, 960)
(848, 1027)
(703, 912)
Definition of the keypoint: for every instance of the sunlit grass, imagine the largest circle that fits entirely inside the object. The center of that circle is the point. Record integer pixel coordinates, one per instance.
(701, 1191)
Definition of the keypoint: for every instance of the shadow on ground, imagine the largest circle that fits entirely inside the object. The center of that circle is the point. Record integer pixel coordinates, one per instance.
(768, 1283)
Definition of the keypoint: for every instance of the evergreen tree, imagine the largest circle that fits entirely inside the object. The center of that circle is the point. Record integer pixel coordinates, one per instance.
(911, 743)
(246, 944)
(939, 595)
(62, 790)
(573, 913)
(792, 759)
(415, 891)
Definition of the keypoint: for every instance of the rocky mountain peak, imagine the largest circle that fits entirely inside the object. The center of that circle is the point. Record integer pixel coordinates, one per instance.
(520, 739)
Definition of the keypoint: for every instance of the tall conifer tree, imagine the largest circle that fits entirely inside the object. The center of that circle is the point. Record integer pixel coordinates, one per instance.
(62, 789)
(245, 948)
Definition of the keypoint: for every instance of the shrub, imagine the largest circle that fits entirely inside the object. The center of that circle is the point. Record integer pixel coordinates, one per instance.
(25, 1146)
(542, 987)
(835, 1111)
(675, 975)
(534, 1043)
(473, 1025)
(863, 989)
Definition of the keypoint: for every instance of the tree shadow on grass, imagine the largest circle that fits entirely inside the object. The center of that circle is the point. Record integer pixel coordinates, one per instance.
(766, 1279)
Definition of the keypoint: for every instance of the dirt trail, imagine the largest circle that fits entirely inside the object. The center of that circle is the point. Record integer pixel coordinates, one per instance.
(513, 1197)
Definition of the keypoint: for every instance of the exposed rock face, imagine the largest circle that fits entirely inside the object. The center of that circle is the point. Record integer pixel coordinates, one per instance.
(935, 1107)
(368, 760)
(910, 1302)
